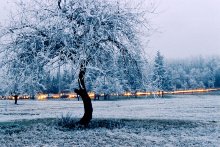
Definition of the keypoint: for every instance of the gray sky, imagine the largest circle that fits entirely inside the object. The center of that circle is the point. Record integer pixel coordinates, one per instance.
(187, 27)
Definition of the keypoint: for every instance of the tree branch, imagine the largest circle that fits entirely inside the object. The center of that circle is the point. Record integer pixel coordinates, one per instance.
(59, 4)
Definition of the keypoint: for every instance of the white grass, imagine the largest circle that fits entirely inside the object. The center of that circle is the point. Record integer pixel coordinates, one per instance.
(180, 121)
(203, 107)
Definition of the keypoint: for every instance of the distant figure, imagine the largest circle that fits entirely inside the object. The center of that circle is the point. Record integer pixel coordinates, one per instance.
(16, 99)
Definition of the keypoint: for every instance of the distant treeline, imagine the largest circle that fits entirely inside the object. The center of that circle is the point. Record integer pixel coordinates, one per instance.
(189, 73)
(163, 74)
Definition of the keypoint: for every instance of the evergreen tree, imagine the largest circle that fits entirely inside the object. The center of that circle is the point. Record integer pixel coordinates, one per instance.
(161, 80)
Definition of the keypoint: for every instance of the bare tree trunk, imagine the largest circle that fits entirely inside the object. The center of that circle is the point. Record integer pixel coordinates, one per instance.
(85, 97)
(87, 107)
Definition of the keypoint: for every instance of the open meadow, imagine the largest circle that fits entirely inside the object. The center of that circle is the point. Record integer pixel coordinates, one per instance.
(186, 120)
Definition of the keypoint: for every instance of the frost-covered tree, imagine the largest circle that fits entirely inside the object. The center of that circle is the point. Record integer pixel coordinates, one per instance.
(160, 76)
(108, 85)
(95, 37)
(212, 67)
(20, 77)
(194, 73)
(217, 77)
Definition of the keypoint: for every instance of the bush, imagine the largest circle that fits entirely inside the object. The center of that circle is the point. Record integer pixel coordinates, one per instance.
(66, 121)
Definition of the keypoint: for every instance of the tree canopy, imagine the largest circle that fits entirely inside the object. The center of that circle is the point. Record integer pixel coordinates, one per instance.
(103, 36)
(96, 37)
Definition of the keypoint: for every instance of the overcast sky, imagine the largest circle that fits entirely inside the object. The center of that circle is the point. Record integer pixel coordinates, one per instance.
(187, 27)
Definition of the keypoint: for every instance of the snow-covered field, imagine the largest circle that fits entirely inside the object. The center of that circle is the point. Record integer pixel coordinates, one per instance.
(201, 107)
(177, 121)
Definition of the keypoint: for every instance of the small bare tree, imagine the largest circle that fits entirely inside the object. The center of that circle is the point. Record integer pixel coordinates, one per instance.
(93, 36)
